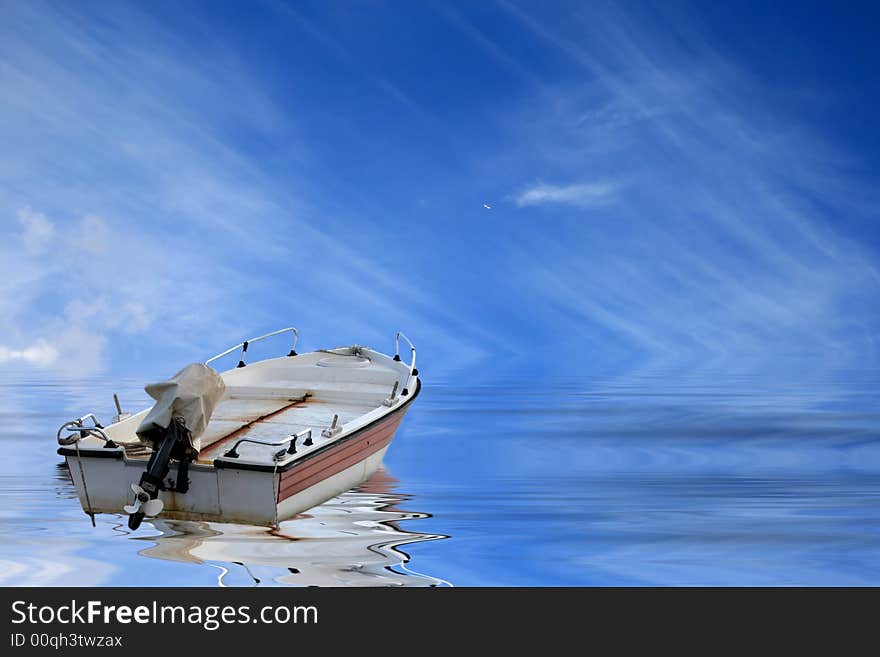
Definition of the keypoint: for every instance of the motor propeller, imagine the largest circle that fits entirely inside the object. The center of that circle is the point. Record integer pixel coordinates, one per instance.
(171, 429)
(143, 504)
(171, 442)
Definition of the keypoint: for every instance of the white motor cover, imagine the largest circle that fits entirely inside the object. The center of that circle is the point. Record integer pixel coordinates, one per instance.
(190, 394)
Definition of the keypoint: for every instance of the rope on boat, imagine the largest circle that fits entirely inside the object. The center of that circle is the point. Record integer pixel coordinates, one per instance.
(82, 475)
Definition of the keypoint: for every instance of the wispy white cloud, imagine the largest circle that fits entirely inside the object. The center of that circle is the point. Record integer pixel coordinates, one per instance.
(152, 218)
(88, 282)
(152, 228)
(38, 231)
(726, 262)
(40, 353)
(581, 195)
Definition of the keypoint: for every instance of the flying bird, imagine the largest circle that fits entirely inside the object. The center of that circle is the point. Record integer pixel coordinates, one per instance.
(488, 207)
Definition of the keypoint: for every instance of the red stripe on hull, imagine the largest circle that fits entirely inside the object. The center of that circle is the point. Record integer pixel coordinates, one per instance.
(339, 457)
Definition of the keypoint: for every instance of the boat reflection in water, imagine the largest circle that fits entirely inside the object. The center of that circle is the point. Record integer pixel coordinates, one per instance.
(351, 540)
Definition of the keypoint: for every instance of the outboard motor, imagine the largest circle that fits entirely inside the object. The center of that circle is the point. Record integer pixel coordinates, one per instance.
(172, 429)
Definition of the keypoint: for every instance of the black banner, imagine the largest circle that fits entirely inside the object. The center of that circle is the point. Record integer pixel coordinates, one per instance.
(164, 620)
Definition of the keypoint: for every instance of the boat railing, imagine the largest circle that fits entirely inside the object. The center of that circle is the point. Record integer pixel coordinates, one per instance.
(290, 442)
(77, 430)
(244, 345)
(412, 350)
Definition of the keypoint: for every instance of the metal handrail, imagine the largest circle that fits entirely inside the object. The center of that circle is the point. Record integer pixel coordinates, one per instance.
(244, 345)
(233, 453)
(92, 417)
(76, 431)
(412, 367)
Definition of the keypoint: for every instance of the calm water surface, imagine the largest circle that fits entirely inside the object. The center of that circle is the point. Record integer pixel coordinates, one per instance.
(575, 482)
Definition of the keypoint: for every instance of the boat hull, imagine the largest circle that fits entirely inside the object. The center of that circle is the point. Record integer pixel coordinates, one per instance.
(239, 491)
(239, 502)
(237, 494)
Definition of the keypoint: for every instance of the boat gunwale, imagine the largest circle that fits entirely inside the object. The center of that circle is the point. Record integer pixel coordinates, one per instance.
(345, 437)
(220, 463)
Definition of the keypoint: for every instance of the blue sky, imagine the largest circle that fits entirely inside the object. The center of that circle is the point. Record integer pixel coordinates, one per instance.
(671, 186)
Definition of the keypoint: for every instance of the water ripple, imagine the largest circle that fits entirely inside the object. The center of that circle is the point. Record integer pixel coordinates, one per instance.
(572, 482)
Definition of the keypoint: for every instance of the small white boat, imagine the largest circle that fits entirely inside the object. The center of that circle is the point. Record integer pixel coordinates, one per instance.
(256, 444)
